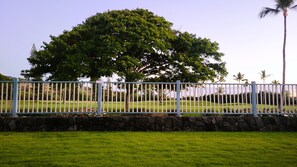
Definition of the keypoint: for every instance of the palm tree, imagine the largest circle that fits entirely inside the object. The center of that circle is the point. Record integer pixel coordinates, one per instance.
(264, 76)
(239, 77)
(281, 6)
(275, 82)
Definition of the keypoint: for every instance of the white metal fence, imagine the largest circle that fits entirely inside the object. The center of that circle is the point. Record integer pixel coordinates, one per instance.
(65, 97)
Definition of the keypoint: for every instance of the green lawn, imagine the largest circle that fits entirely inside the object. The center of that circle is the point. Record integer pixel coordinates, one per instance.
(148, 149)
(136, 106)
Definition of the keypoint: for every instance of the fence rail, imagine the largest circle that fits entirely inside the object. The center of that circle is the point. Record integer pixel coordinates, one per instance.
(65, 97)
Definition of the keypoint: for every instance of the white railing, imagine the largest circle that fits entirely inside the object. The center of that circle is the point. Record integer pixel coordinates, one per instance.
(271, 101)
(6, 98)
(66, 97)
(57, 97)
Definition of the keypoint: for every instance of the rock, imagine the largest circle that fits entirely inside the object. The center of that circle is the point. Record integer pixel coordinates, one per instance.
(148, 123)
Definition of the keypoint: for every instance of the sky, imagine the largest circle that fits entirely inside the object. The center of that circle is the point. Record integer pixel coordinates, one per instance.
(250, 44)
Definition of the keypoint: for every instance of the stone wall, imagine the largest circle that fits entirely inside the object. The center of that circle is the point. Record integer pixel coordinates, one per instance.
(149, 123)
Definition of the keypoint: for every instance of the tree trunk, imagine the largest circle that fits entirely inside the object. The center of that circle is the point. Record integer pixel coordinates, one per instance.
(284, 64)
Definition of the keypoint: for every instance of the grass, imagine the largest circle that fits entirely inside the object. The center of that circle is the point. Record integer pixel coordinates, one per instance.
(27, 106)
(148, 149)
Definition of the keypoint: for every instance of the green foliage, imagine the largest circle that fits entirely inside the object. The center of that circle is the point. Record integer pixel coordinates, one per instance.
(134, 44)
(280, 6)
(192, 59)
(4, 78)
(275, 82)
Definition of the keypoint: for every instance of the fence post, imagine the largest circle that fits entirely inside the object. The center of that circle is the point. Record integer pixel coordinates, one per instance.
(254, 99)
(99, 97)
(15, 97)
(178, 98)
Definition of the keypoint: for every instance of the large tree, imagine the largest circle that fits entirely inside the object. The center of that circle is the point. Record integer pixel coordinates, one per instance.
(128, 43)
(134, 44)
(61, 59)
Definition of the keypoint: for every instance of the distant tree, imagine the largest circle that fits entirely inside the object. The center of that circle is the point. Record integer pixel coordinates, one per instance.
(264, 75)
(220, 89)
(4, 78)
(239, 77)
(276, 82)
(246, 82)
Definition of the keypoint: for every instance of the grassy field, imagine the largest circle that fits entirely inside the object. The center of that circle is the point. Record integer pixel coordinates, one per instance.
(137, 106)
(148, 149)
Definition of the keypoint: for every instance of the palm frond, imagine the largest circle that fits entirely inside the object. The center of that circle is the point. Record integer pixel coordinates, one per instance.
(284, 4)
(294, 7)
(265, 11)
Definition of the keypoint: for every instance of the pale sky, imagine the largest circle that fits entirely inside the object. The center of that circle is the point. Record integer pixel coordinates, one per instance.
(250, 44)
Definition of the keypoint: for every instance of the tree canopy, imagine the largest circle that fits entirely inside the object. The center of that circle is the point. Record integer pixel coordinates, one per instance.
(135, 44)
(4, 78)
